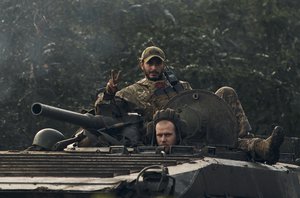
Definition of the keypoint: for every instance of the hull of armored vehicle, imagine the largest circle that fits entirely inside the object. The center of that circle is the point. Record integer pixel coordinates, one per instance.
(121, 172)
(210, 167)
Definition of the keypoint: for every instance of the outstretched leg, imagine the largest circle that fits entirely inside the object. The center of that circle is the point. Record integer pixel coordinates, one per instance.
(231, 98)
(261, 150)
(266, 150)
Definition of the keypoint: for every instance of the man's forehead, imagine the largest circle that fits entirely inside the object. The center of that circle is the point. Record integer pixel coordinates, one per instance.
(164, 122)
(165, 132)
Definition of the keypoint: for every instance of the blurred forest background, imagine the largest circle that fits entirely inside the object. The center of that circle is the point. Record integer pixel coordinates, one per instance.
(61, 52)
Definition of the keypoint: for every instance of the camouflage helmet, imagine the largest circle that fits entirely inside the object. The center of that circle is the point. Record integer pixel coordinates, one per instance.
(170, 115)
(46, 138)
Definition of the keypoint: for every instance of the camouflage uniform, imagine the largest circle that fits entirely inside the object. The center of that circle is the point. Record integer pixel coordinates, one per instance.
(144, 94)
(147, 95)
(230, 96)
(150, 96)
(260, 149)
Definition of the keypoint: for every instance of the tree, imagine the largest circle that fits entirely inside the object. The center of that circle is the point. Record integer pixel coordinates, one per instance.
(61, 52)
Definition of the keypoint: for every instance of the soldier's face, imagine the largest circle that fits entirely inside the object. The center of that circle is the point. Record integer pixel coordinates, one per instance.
(153, 69)
(165, 133)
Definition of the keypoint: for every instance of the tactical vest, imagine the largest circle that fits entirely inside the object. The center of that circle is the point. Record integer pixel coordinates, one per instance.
(148, 96)
(151, 95)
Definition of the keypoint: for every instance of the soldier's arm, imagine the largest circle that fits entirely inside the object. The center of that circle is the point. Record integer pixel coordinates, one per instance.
(107, 96)
(111, 87)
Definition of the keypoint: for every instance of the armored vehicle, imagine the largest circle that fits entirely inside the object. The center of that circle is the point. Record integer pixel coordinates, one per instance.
(210, 166)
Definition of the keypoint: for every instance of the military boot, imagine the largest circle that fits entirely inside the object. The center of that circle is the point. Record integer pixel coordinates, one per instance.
(268, 150)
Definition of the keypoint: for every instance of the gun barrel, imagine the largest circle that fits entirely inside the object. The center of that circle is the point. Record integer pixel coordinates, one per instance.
(84, 120)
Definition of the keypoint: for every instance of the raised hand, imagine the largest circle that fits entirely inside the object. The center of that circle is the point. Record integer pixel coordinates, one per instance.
(112, 85)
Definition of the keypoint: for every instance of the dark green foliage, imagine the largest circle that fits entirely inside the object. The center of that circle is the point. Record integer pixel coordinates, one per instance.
(61, 52)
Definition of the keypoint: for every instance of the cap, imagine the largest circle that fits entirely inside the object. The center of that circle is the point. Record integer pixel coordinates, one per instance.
(151, 52)
(166, 114)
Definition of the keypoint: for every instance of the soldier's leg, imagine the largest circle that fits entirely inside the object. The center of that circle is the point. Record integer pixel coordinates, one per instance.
(230, 96)
(264, 150)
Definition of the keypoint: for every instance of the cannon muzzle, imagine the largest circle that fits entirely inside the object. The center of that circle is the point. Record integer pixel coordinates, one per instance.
(84, 120)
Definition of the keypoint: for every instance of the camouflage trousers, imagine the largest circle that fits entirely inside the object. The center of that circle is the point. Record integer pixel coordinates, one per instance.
(231, 98)
(254, 146)
(250, 145)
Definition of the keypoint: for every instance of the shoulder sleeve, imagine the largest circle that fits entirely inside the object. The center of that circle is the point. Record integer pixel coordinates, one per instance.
(127, 93)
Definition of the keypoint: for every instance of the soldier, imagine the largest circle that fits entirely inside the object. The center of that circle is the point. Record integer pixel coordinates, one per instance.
(261, 150)
(150, 93)
(154, 91)
(167, 129)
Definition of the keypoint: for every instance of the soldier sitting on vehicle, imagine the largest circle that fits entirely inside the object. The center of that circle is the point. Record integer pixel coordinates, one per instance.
(261, 150)
(156, 89)
(154, 92)
(150, 93)
(167, 129)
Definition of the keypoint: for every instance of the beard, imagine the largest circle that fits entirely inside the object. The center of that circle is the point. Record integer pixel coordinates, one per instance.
(154, 76)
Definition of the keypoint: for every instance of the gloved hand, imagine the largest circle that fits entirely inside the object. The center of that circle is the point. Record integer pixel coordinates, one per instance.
(111, 86)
